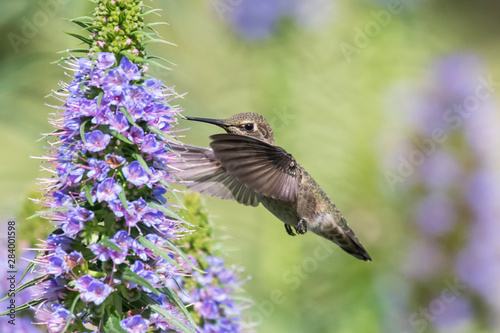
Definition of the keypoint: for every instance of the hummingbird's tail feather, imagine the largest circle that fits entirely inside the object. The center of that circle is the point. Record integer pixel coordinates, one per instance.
(200, 171)
(343, 236)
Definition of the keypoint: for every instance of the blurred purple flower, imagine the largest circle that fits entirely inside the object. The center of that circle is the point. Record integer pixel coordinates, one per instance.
(435, 214)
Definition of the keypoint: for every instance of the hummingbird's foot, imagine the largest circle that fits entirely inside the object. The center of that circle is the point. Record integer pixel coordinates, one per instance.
(301, 227)
(289, 230)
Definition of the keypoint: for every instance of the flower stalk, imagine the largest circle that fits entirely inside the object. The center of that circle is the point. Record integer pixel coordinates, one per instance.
(118, 259)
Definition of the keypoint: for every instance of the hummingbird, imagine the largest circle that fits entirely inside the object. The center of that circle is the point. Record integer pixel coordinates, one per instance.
(245, 165)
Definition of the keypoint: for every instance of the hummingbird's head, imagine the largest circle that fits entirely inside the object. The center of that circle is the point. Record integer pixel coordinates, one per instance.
(248, 124)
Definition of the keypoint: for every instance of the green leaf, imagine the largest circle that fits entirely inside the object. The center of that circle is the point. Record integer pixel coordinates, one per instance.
(130, 276)
(113, 325)
(172, 295)
(25, 306)
(155, 23)
(143, 33)
(88, 194)
(164, 209)
(99, 98)
(172, 319)
(141, 161)
(132, 57)
(81, 18)
(28, 267)
(71, 310)
(123, 199)
(184, 257)
(83, 39)
(157, 40)
(92, 28)
(128, 116)
(167, 185)
(82, 131)
(43, 212)
(151, 12)
(162, 59)
(159, 65)
(158, 251)
(73, 51)
(110, 245)
(120, 137)
(162, 253)
(165, 135)
(27, 284)
(80, 23)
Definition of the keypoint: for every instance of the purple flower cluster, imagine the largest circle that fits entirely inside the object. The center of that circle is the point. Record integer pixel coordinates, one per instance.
(259, 19)
(456, 189)
(213, 297)
(114, 229)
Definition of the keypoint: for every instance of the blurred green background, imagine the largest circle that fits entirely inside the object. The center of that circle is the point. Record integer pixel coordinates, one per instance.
(350, 87)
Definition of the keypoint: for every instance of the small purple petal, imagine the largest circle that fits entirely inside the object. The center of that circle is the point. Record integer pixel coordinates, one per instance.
(108, 190)
(105, 60)
(135, 173)
(96, 140)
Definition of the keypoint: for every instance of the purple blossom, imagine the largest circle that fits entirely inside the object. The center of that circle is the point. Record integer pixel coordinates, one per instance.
(88, 108)
(435, 214)
(96, 141)
(135, 324)
(256, 19)
(131, 70)
(83, 282)
(115, 82)
(97, 77)
(84, 65)
(108, 190)
(118, 122)
(61, 200)
(67, 153)
(98, 169)
(58, 318)
(135, 173)
(153, 218)
(120, 239)
(143, 271)
(140, 250)
(132, 216)
(158, 192)
(93, 290)
(62, 241)
(57, 265)
(136, 134)
(150, 145)
(100, 251)
(105, 60)
(154, 86)
(117, 207)
(208, 309)
(137, 95)
(62, 262)
(72, 227)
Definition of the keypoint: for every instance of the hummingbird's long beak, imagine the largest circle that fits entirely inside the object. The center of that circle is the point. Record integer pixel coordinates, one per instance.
(217, 122)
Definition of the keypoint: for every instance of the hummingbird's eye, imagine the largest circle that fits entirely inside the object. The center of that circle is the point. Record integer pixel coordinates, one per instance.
(249, 127)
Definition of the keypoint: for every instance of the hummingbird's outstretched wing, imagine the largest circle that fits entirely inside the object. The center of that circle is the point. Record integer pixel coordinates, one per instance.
(268, 170)
(201, 172)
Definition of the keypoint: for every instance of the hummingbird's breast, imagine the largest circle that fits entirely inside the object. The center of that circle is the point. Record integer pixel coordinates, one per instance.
(285, 211)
